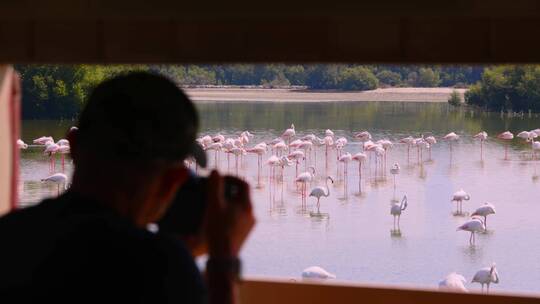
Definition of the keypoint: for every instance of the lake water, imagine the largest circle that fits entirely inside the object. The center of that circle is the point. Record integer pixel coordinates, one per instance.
(355, 241)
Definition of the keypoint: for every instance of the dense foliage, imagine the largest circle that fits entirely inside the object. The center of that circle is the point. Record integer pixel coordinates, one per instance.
(507, 88)
(454, 99)
(59, 91)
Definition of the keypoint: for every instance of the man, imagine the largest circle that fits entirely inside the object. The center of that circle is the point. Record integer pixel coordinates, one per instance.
(91, 244)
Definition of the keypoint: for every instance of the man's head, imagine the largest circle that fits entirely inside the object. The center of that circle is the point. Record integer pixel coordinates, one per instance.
(132, 138)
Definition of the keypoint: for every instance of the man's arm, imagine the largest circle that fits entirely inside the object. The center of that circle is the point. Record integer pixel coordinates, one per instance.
(227, 226)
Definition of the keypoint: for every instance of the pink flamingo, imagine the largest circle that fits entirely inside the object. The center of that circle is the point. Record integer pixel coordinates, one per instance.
(216, 146)
(345, 159)
(431, 141)
(481, 136)
(51, 150)
(296, 156)
(360, 158)
(450, 137)
(328, 142)
(409, 141)
(260, 150)
(305, 178)
(363, 136)
(507, 135)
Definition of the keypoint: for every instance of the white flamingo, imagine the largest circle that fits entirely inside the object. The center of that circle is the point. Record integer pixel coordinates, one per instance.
(216, 147)
(58, 179)
(328, 142)
(481, 136)
(473, 226)
(458, 197)
(279, 147)
(316, 272)
(507, 135)
(486, 276)
(484, 211)
(453, 282)
(320, 191)
(396, 210)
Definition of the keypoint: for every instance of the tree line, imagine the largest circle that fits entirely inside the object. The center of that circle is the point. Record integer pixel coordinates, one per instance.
(59, 91)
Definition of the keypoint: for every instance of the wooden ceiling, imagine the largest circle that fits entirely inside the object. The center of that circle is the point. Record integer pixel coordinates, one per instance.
(166, 31)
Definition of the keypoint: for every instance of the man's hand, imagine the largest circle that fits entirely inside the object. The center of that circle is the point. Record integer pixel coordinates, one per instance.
(227, 223)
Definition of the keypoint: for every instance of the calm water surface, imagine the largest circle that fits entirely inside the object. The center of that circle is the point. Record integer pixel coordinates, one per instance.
(355, 241)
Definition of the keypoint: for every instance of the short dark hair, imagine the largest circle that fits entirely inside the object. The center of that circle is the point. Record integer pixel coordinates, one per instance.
(138, 116)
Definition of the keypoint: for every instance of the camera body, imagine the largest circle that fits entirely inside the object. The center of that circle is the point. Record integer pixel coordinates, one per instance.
(186, 213)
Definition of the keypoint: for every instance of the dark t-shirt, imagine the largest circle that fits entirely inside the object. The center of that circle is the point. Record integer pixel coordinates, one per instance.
(71, 249)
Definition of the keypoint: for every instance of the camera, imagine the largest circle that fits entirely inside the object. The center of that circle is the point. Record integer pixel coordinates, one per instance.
(186, 213)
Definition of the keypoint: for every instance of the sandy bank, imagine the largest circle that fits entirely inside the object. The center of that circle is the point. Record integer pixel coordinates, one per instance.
(290, 95)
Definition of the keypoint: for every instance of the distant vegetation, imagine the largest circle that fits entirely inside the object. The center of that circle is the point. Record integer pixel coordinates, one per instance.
(59, 91)
(507, 88)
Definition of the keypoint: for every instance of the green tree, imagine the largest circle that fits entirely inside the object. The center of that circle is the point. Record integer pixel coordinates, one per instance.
(390, 78)
(358, 79)
(455, 99)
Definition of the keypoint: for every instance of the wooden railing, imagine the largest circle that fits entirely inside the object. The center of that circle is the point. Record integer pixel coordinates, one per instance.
(276, 291)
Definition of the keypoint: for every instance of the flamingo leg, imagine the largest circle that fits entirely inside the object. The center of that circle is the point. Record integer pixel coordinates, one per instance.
(318, 204)
(485, 221)
(360, 177)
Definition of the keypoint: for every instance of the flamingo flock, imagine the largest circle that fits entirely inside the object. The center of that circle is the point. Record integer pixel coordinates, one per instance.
(300, 152)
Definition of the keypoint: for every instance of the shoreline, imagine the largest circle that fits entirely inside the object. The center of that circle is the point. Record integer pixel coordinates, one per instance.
(301, 95)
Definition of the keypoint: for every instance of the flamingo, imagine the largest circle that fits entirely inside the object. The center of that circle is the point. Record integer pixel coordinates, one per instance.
(329, 132)
(535, 147)
(316, 272)
(63, 150)
(296, 156)
(328, 142)
(484, 211)
(279, 147)
(319, 192)
(295, 143)
(304, 178)
(453, 282)
(63, 142)
(218, 138)
(21, 144)
(43, 140)
(450, 137)
(387, 145)
(507, 135)
(57, 178)
(395, 171)
(360, 158)
(259, 150)
(363, 136)
(51, 149)
(409, 141)
(379, 154)
(421, 144)
(345, 159)
(237, 152)
(340, 144)
(486, 276)
(396, 209)
(481, 136)
(228, 145)
(206, 140)
(306, 145)
(309, 137)
(289, 134)
(216, 146)
(472, 226)
(431, 141)
(317, 142)
(459, 197)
